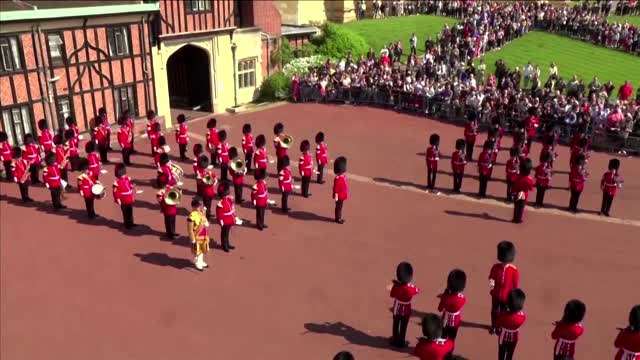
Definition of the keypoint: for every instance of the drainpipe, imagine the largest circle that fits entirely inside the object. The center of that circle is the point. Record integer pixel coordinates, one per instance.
(265, 35)
(51, 119)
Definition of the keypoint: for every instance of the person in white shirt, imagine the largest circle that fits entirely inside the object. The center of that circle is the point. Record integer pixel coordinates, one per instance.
(413, 41)
(528, 74)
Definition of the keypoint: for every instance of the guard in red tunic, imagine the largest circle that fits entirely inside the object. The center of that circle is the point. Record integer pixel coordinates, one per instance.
(485, 167)
(433, 345)
(502, 278)
(451, 302)
(100, 138)
(496, 126)
(223, 154)
(236, 176)
(105, 125)
(125, 140)
(20, 171)
(577, 178)
(550, 148)
(470, 133)
(226, 215)
(458, 163)
(433, 155)
(492, 136)
(95, 165)
(519, 139)
(6, 155)
(260, 197)
(281, 150)
(509, 322)
(206, 180)
(212, 140)
(628, 339)
(531, 124)
(520, 190)
(247, 146)
(45, 139)
(32, 155)
(62, 158)
(85, 186)
(53, 180)
(182, 137)
(153, 130)
(285, 182)
(124, 194)
(580, 149)
(543, 177)
(131, 123)
(198, 149)
(402, 291)
(576, 139)
(305, 167)
(322, 156)
(340, 187)
(609, 184)
(161, 148)
(512, 169)
(72, 143)
(260, 157)
(568, 330)
(165, 174)
(168, 208)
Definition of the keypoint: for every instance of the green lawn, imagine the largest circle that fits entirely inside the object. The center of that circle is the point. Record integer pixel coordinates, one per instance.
(634, 20)
(571, 57)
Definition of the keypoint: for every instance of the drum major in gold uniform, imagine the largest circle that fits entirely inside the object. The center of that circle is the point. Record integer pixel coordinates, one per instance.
(198, 229)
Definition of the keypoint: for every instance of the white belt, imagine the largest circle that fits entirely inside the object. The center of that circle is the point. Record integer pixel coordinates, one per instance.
(183, 135)
(611, 185)
(403, 302)
(127, 193)
(229, 213)
(262, 195)
(286, 181)
(629, 355)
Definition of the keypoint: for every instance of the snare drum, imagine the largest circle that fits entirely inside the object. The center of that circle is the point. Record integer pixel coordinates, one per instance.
(98, 191)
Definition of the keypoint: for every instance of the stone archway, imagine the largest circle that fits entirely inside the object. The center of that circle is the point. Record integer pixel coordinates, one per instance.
(189, 79)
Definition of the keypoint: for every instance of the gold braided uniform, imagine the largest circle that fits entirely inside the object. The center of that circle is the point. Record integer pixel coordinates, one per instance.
(197, 227)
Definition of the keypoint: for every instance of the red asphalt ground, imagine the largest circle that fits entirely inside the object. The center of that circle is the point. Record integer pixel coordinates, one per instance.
(307, 288)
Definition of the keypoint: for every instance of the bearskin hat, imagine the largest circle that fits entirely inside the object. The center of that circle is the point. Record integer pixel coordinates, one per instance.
(102, 111)
(495, 121)
(515, 300)
(285, 161)
(151, 115)
(488, 145)
(260, 141)
(163, 180)
(246, 129)
(164, 159)
(125, 113)
(582, 142)
(58, 139)
(97, 121)
(50, 159)
(28, 139)
(156, 127)
(514, 151)
(70, 121)
(525, 167)
(574, 311)
(545, 157)
(212, 123)
(233, 152)
(472, 115)
(493, 133)
(460, 144)
(506, 252)
(304, 145)
(197, 150)
(634, 318)
(319, 137)
(83, 164)
(196, 201)
(456, 281)
(120, 170)
(69, 134)
(434, 140)
(16, 152)
(3, 136)
(181, 119)
(42, 124)
(432, 326)
(122, 121)
(343, 355)
(278, 128)
(581, 159)
(614, 164)
(404, 272)
(162, 141)
(203, 161)
(340, 165)
(532, 110)
(90, 147)
(224, 188)
(260, 175)
(222, 135)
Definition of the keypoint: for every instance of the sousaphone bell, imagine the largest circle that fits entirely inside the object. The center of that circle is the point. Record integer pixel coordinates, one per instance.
(173, 196)
(238, 166)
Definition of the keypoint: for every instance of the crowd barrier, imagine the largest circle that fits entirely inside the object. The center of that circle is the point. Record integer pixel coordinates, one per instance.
(453, 112)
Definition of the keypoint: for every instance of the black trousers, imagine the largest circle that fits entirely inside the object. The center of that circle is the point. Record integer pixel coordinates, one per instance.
(89, 205)
(457, 181)
(225, 231)
(279, 164)
(237, 188)
(484, 180)
(469, 152)
(127, 215)
(306, 180)
(224, 171)
(73, 160)
(24, 191)
(34, 170)
(338, 211)
(7, 170)
(518, 210)
(64, 175)
(509, 194)
(431, 178)
(170, 225)
(103, 149)
(214, 157)
(496, 307)
(399, 331)
(320, 173)
(450, 332)
(607, 201)
(285, 201)
(183, 151)
(56, 193)
(573, 201)
(206, 201)
(126, 156)
(562, 357)
(540, 191)
(248, 159)
(506, 350)
(260, 210)
(529, 140)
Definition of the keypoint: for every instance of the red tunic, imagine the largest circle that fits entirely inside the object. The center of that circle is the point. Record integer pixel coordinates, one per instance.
(225, 212)
(576, 179)
(305, 165)
(259, 195)
(531, 124)
(205, 189)
(457, 162)
(51, 177)
(322, 157)
(522, 184)
(340, 188)
(94, 165)
(73, 146)
(566, 335)
(285, 180)
(212, 139)
(100, 136)
(608, 183)
(46, 140)
(124, 137)
(223, 153)
(543, 176)
(85, 183)
(164, 207)
(150, 129)
(433, 155)
(123, 191)
(512, 168)
(502, 279)
(238, 178)
(31, 153)
(509, 324)
(247, 143)
(433, 350)
(5, 151)
(470, 133)
(165, 170)
(548, 149)
(485, 163)
(402, 295)
(61, 153)
(181, 134)
(280, 150)
(19, 167)
(260, 159)
(451, 307)
(628, 345)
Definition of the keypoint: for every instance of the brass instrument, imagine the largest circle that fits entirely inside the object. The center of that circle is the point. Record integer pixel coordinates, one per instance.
(177, 171)
(209, 179)
(173, 196)
(238, 166)
(286, 141)
(584, 173)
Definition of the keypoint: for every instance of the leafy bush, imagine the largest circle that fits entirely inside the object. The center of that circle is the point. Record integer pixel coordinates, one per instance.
(283, 54)
(275, 87)
(301, 66)
(307, 50)
(335, 42)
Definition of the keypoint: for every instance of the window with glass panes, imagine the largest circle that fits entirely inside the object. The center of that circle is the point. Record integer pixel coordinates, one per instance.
(16, 122)
(125, 98)
(10, 59)
(198, 5)
(247, 73)
(63, 107)
(118, 40)
(56, 49)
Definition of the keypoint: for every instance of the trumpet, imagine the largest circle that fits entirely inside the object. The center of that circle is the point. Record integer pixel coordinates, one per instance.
(238, 166)
(286, 141)
(173, 196)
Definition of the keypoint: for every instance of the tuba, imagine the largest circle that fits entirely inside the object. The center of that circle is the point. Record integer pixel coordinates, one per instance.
(173, 196)
(238, 166)
(287, 141)
(209, 179)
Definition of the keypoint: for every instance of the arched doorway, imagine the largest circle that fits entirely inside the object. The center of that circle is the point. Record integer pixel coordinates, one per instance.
(189, 79)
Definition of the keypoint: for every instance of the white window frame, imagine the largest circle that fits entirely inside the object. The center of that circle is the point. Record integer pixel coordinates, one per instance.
(56, 48)
(16, 122)
(119, 41)
(247, 73)
(130, 99)
(11, 59)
